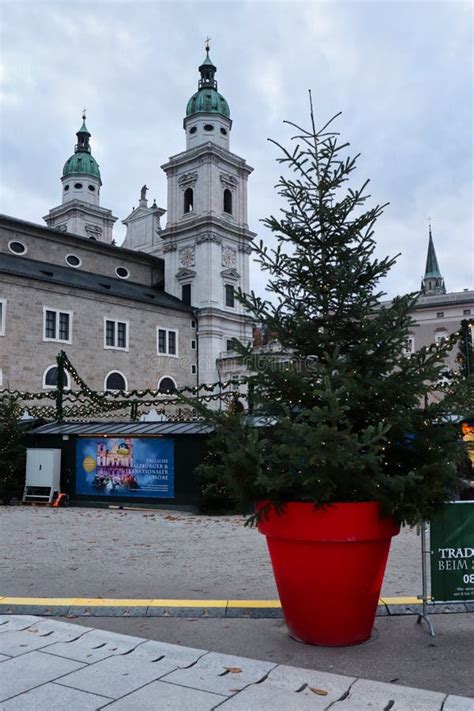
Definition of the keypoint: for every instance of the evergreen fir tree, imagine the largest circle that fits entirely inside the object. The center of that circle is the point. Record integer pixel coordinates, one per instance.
(12, 450)
(350, 415)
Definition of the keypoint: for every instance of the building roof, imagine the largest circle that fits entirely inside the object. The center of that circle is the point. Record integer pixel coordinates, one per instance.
(109, 429)
(81, 164)
(15, 223)
(80, 279)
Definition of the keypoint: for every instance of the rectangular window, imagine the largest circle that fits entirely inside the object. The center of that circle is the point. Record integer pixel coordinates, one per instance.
(193, 345)
(193, 369)
(172, 342)
(229, 295)
(161, 340)
(116, 334)
(57, 325)
(3, 314)
(440, 314)
(167, 341)
(186, 294)
(466, 312)
(193, 324)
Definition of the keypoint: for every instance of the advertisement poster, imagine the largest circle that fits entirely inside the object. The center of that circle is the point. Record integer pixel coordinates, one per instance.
(125, 466)
(452, 553)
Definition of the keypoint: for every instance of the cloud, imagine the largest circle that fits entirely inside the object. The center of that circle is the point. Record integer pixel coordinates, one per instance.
(401, 72)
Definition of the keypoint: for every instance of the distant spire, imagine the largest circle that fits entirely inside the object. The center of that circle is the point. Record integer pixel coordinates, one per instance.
(433, 282)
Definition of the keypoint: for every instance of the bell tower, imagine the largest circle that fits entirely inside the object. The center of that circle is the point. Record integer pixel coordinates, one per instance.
(206, 242)
(80, 210)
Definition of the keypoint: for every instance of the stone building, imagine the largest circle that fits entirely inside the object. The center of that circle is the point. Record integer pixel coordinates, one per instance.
(161, 310)
(438, 313)
(206, 242)
(104, 305)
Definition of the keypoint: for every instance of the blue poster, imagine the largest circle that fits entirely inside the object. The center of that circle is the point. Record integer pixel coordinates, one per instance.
(125, 466)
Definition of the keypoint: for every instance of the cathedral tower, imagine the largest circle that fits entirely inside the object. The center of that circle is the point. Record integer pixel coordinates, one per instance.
(206, 242)
(80, 211)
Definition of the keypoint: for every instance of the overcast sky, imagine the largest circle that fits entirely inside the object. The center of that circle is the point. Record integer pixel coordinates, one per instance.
(401, 73)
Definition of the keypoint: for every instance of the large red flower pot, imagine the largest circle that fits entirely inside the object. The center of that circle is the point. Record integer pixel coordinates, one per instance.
(329, 565)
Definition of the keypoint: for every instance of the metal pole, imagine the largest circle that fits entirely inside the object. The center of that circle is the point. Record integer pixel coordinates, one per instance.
(424, 578)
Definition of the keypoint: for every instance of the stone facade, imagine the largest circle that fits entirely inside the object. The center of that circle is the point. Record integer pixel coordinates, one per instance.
(91, 296)
(437, 316)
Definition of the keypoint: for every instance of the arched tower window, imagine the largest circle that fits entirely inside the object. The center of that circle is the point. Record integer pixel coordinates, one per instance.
(228, 201)
(188, 200)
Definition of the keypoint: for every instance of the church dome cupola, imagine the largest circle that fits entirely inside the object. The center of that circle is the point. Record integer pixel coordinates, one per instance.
(207, 99)
(82, 162)
(207, 117)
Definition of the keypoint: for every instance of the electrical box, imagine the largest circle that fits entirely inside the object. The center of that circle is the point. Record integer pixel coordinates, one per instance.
(43, 475)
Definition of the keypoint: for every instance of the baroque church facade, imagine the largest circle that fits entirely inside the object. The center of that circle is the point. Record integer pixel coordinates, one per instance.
(161, 310)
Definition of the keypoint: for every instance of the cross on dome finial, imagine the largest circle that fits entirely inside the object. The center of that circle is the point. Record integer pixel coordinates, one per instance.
(84, 114)
(207, 45)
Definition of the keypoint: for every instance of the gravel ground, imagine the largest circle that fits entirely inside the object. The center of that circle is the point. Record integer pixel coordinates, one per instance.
(79, 552)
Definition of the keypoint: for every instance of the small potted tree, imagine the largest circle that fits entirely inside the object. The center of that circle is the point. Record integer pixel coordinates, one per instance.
(343, 444)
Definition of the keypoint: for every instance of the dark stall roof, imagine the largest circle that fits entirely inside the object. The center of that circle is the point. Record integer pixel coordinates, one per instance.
(79, 279)
(99, 429)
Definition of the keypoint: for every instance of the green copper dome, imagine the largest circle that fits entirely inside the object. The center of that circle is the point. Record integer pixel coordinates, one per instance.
(82, 161)
(207, 99)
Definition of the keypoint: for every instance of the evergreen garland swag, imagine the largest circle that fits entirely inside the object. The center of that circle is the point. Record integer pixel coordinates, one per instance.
(349, 415)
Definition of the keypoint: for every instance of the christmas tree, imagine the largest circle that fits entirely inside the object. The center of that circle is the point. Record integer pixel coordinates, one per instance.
(12, 450)
(345, 412)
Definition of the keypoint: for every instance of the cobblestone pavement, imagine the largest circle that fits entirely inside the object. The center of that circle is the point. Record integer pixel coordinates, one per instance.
(48, 665)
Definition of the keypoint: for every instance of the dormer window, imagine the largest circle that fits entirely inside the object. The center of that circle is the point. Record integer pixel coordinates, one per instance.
(188, 200)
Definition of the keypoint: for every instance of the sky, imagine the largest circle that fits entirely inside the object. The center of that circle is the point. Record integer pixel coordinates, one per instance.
(400, 72)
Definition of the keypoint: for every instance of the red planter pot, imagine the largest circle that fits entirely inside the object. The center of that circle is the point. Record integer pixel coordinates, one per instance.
(329, 565)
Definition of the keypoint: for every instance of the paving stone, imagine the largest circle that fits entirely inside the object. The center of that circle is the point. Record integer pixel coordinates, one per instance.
(291, 688)
(211, 673)
(160, 696)
(365, 694)
(38, 635)
(54, 697)
(108, 611)
(23, 673)
(255, 612)
(121, 674)
(94, 646)
(16, 622)
(191, 612)
(458, 703)
(43, 610)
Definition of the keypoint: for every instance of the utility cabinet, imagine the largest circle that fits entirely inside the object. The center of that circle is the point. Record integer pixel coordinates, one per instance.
(43, 475)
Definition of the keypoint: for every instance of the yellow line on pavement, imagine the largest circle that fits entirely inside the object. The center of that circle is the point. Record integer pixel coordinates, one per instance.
(157, 602)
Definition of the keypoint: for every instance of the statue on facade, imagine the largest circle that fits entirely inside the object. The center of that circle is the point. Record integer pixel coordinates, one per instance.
(143, 193)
